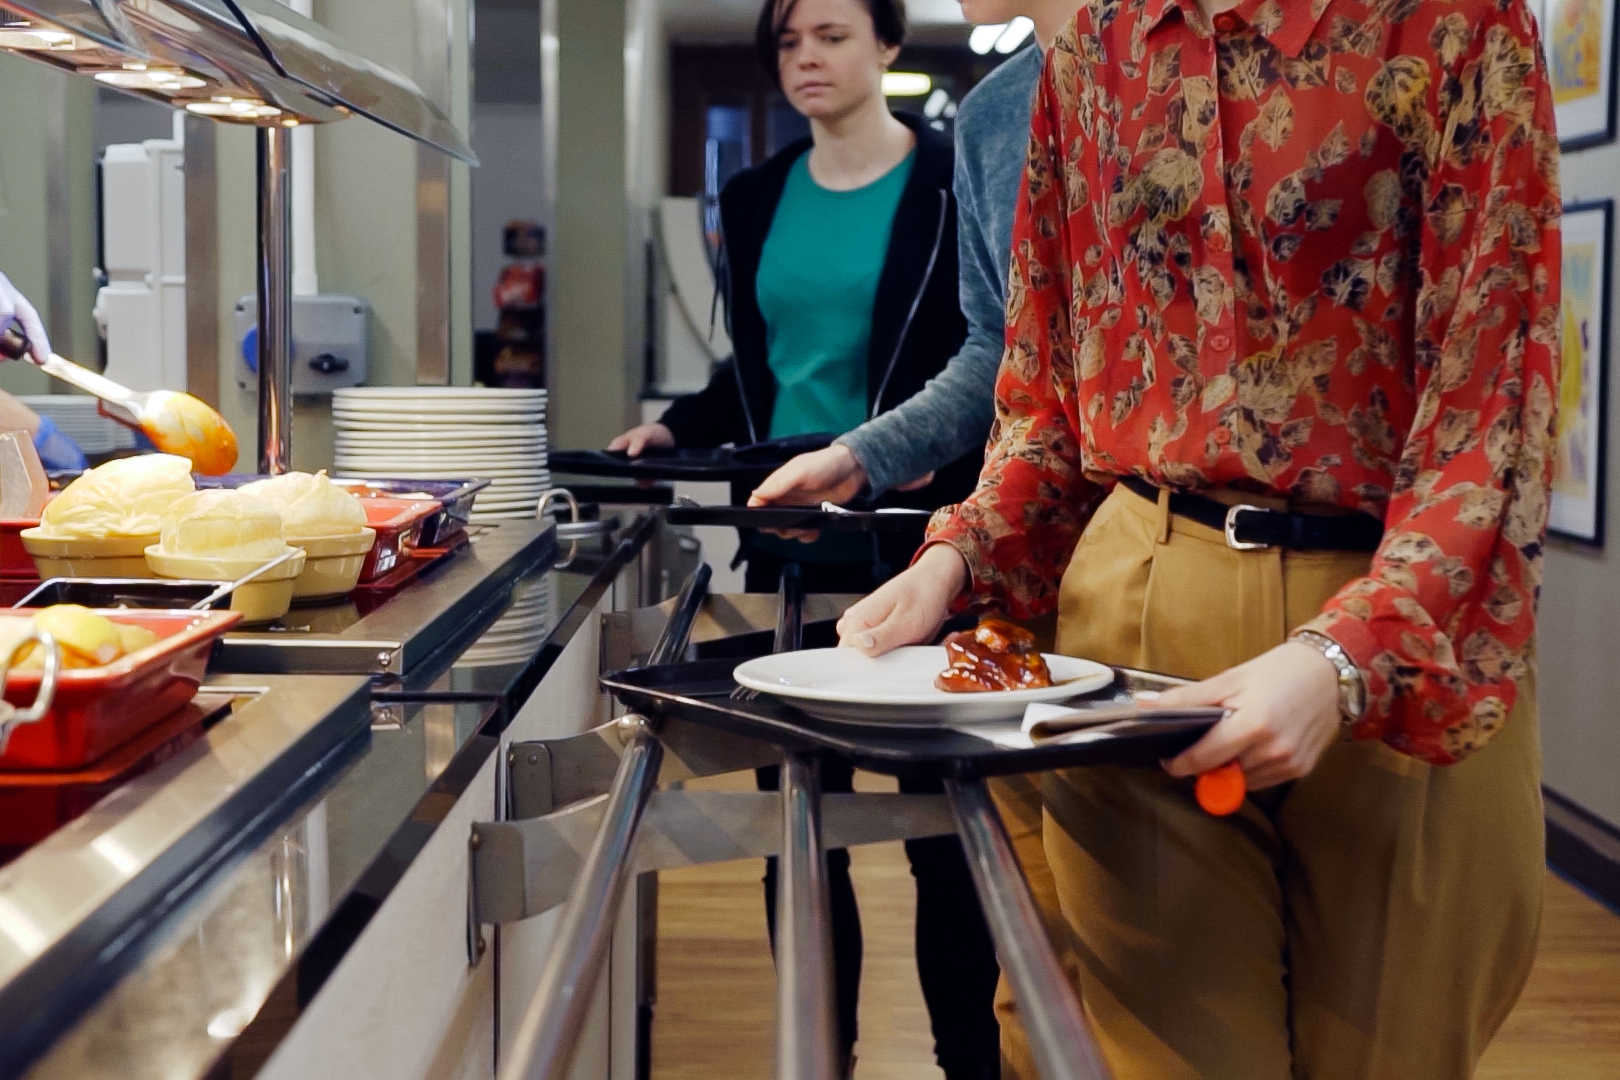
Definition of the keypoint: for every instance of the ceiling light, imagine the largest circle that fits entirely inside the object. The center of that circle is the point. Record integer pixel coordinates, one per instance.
(936, 102)
(1016, 33)
(984, 38)
(906, 84)
(226, 107)
(140, 77)
(30, 40)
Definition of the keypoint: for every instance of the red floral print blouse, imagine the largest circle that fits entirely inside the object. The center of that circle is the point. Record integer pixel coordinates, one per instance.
(1311, 248)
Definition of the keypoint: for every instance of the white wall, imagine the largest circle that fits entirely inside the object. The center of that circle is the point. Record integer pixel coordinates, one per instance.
(1580, 600)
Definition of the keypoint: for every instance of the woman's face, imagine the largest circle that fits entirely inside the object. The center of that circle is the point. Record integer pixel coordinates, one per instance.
(991, 12)
(830, 59)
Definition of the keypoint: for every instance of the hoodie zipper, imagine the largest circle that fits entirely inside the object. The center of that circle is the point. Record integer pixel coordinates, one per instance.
(916, 302)
(736, 366)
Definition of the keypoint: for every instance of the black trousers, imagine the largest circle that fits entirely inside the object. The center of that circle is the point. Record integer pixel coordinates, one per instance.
(956, 959)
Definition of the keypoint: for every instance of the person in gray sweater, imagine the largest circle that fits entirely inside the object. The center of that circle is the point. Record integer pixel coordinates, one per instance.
(952, 414)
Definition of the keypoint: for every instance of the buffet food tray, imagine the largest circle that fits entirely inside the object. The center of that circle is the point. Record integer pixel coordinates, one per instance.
(448, 604)
(454, 497)
(700, 692)
(97, 710)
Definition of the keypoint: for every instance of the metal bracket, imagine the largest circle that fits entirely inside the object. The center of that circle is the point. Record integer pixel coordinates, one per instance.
(547, 774)
(522, 868)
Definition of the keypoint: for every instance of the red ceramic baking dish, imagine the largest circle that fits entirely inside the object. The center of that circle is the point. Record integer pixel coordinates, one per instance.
(398, 523)
(15, 562)
(97, 710)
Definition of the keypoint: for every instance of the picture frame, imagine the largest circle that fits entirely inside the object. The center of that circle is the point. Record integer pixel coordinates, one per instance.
(1581, 442)
(1579, 39)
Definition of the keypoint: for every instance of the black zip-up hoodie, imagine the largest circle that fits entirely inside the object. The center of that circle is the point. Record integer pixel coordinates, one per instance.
(917, 321)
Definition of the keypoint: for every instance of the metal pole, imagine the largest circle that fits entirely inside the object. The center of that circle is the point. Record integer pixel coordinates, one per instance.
(806, 1031)
(1063, 1045)
(275, 300)
(549, 1031)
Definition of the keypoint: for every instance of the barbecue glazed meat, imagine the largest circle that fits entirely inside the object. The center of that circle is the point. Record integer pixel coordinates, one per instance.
(995, 655)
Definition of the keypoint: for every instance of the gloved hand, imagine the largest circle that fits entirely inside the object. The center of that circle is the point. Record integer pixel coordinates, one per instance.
(14, 304)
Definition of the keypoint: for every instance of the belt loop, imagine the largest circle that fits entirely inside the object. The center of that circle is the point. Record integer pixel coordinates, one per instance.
(1163, 535)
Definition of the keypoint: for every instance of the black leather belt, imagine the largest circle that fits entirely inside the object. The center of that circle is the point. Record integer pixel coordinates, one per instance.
(1250, 528)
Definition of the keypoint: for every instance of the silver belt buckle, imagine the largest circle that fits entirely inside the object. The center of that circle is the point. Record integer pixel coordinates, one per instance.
(1231, 529)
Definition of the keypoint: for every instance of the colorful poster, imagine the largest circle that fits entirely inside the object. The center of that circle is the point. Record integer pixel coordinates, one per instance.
(1577, 495)
(1578, 36)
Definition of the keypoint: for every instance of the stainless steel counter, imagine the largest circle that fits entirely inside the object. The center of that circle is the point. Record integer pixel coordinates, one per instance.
(75, 909)
(216, 975)
(437, 613)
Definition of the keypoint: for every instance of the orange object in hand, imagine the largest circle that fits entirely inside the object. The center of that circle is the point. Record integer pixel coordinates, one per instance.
(1222, 791)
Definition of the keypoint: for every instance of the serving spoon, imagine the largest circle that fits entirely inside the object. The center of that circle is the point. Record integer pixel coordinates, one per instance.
(176, 422)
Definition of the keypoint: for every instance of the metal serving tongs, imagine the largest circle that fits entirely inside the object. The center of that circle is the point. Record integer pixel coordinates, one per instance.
(252, 575)
(176, 422)
(15, 633)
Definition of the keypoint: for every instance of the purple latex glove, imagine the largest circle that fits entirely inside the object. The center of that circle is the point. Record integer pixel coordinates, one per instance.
(14, 305)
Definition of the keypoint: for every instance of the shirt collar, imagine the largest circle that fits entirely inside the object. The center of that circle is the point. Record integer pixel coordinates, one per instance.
(1287, 24)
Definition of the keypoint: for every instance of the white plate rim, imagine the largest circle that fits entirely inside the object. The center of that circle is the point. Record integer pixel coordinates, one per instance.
(1095, 677)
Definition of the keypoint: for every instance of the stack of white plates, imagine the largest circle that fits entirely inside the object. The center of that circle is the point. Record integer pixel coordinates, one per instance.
(448, 433)
(518, 634)
(76, 415)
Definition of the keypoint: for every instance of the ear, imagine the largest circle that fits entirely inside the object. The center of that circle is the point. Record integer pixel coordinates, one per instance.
(887, 54)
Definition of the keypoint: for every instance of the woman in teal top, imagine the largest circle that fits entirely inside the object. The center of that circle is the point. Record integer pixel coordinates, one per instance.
(817, 281)
(840, 276)
(841, 298)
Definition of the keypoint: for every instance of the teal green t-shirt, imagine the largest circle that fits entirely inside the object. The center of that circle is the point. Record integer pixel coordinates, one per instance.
(818, 279)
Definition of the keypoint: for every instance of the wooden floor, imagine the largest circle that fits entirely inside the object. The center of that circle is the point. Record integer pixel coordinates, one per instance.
(716, 985)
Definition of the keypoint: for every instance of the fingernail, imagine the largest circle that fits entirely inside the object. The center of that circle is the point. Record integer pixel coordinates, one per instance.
(865, 639)
(1147, 695)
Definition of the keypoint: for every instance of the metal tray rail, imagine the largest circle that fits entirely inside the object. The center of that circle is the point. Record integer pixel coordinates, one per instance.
(590, 846)
(740, 464)
(805, 518)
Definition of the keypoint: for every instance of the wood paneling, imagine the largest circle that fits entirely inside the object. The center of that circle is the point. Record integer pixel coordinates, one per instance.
(716, 986)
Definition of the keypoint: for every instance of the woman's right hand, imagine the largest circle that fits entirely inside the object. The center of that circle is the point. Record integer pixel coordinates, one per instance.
(644, 437)
(910, 608)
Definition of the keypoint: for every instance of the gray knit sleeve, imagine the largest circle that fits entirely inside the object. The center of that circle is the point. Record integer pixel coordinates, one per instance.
(951, 415)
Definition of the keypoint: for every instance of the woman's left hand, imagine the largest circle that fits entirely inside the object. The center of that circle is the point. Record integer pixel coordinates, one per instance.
(1284, 714)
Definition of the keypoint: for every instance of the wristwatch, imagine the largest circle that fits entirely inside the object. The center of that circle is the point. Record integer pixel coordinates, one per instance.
(1352, 684)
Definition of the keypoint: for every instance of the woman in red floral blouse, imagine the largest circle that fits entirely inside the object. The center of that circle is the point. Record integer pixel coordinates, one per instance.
(1304, 255)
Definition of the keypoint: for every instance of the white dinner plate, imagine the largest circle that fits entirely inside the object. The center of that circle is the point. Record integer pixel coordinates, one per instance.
(898, 687)
(448, 439)
(445, 425)
(381, 471)
(462, 417)
(467, 407)
(404, 460)
(396, 393)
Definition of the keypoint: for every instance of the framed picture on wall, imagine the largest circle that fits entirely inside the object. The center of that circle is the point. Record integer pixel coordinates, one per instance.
(1578, 451)
(1579, 37)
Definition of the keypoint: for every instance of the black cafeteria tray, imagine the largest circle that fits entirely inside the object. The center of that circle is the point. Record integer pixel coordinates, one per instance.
(799, 517)
(741, 464)
(700, 693)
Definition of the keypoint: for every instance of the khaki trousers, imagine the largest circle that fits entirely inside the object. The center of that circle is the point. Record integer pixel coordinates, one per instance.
(1375, 920)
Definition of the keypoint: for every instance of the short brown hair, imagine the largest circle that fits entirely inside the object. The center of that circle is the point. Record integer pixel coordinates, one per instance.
(888, 22)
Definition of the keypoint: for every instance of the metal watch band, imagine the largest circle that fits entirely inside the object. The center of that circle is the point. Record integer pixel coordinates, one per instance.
(1352, 684)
